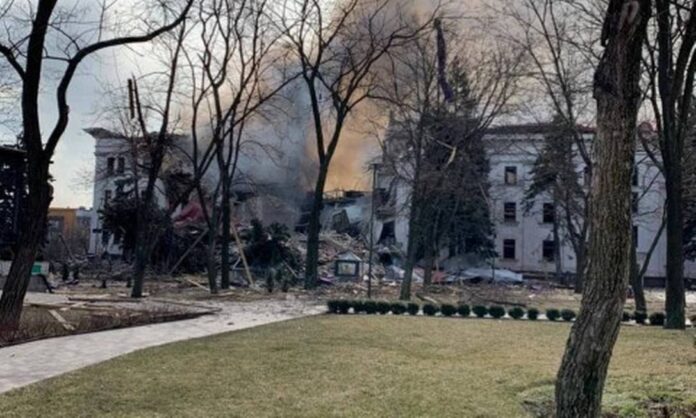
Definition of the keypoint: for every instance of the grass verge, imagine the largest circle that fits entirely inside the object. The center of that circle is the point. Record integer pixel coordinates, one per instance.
(360, 366)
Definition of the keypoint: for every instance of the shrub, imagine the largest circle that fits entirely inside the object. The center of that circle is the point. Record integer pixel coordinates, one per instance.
(398, 308)
(533, 314)
(383, 307)
(430, 309)
(640, 317)
(626, 316)
(480, 311)
(497, 312)
(657, 318)
(332, 305)
(463, 310)
(568, 315)
(552, 314)
(370, 307)
(412, 308)
(448, 310)
(516, 313)
(344, 306)
(358, 306)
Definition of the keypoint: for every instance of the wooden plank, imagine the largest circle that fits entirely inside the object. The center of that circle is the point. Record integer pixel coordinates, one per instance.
(67, 325)
(250, 278)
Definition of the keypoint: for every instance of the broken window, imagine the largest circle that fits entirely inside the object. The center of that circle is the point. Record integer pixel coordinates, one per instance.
(511, 175)
(510, 212)
(549, 250)
(121, 166)
(509, 249)
(110, 166)
(549, 215)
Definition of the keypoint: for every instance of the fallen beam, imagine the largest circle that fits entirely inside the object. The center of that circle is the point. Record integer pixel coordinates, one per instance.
(58, 317)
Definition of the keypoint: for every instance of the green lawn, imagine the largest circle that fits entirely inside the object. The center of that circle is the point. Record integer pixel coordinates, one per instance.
(364, 366)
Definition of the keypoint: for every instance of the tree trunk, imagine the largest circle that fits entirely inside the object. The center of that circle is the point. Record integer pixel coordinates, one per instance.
(225, 237)
(142, 256)
(557, 243)
(675, 302)
(32, 230)
(637, 281)
(411, 244)
(580, 266)
(583, 371)
(146, 238)
(429, 264)
(313, 230)
(212, 263)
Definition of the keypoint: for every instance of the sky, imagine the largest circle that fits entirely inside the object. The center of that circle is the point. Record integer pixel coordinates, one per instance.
(73, 162)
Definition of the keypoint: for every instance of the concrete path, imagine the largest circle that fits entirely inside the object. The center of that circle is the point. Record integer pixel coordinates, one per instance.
(24, 364)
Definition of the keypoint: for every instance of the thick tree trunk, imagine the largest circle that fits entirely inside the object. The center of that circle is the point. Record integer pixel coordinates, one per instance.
(32, 229)
(225, 237)
(313, 230)
(637, 282)
(584, 367)
(675, 302)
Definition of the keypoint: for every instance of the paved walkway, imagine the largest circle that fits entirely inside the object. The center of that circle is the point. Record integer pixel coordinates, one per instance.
(24, 364)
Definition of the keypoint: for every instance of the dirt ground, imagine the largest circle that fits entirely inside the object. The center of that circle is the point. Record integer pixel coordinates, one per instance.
(538, 294)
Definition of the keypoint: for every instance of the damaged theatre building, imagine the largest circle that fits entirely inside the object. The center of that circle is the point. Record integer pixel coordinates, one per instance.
(275, 190)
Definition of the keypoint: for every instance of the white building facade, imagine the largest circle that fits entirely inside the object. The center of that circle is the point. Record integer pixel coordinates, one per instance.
(113, 173)
(524, 236)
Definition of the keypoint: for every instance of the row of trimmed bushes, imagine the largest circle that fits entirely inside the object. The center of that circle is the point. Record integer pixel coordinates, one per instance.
(371, 307)
(655, 318)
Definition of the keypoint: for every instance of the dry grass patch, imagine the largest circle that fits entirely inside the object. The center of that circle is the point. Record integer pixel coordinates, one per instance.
(359, 366)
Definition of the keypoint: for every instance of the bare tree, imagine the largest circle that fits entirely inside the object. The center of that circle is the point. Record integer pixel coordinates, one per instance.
(560, 39)
(336, 51)
(440, 110)
(236, 67)
(583, 371)
(672, 67)
(27, 50)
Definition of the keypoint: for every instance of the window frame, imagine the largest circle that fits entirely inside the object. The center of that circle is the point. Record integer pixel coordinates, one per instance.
(512, 171)
(507, 208)
(509, 244)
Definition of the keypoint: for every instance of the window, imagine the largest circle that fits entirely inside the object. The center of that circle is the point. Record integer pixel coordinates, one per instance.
(510, 212)
(511, 175)
(509, 249)
(634, 202)
(549, 250)
(121, 166)
(110, 166)
(549, 215)
(634, 176)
